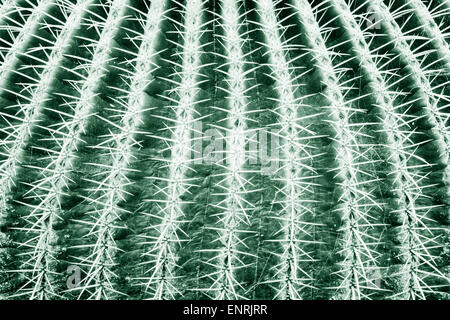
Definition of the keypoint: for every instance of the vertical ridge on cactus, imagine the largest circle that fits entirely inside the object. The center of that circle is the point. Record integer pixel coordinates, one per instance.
(295, 174)
(432, 96)
(233, 183)
(69, 132)
(437, 33)
(393, 124)
(434, 101)
(352, 156)
(162, 278)
(117, 147)
(40, 258)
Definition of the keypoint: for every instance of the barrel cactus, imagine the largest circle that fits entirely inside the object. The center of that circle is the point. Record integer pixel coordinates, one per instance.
(224, 149)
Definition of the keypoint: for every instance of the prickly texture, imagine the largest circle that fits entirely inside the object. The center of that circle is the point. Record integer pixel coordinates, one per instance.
(223, 149)
(39, 265)
(295, 173)
(352, 156)
(233, 183)
(438, 33)
(392, 122)
(162, 257)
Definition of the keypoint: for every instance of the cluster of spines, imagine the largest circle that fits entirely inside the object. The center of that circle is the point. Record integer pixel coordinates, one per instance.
(161, 279)
(39, 259)
(6, 8)
(117, 148)
(11, 146)
(415, 237)
(295, 174)
(422, 76)
(394, 125)
(437, 33)
(356, 201)
(234, 207)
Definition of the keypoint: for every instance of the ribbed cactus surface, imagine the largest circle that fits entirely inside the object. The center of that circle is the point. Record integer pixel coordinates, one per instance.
(224, 149)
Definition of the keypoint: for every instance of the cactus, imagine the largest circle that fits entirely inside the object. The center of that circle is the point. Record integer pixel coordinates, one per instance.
(233, 183)
(437, 33)
(355, 201)
(136, 138)
(295, 173)
(40, 258)
(407, 190)
(162, 276)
